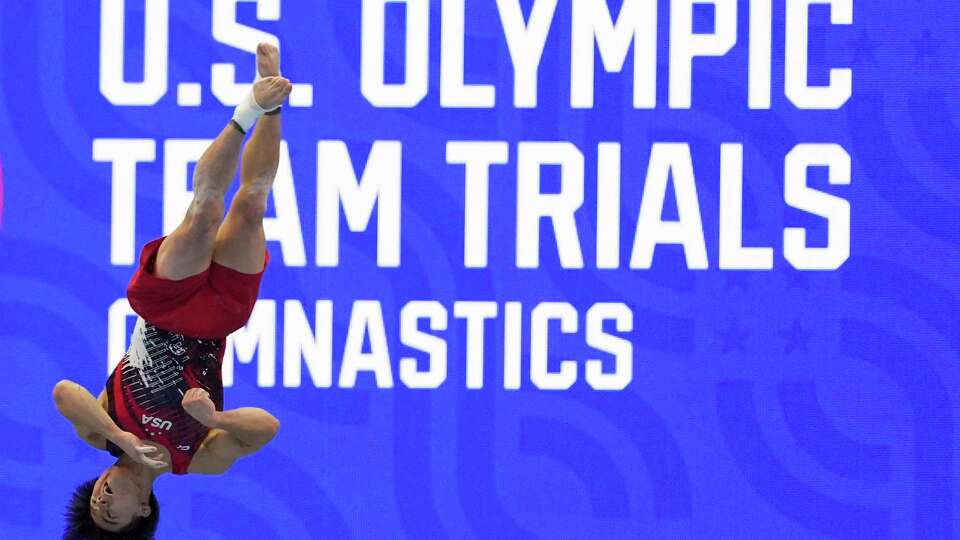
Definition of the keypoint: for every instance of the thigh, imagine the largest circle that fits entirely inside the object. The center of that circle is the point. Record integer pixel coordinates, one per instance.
(240, 241)
(188, 250)
(236, 292)
(176, 305)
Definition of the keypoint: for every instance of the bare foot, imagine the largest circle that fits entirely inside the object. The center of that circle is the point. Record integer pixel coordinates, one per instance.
(268, 60)
(271, 92)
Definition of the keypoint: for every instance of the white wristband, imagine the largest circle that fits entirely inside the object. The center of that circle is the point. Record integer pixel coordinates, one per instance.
(247, 112)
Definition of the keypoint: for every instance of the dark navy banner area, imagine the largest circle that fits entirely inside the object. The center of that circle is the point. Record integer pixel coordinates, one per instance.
(538, 269)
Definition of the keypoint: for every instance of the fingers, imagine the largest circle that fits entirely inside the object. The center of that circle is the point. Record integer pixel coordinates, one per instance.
(265, 48)
(156, 464)
(279, 82)
(285, 87)
(272, 91)
(153, 463)
(195, 393)
(143, 458)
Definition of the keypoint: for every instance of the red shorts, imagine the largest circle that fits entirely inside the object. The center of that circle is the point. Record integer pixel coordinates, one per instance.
(210, 305)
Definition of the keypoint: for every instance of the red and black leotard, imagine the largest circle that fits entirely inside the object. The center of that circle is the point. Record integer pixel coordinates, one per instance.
(145, 390)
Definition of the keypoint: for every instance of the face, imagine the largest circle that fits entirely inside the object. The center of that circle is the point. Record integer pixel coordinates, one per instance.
(116, 500)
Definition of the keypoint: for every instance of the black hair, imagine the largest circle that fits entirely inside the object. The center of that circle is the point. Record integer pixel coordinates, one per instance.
(80, 526)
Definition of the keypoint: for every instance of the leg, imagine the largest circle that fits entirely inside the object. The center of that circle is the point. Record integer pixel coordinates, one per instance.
(188, 249)
(240, 241)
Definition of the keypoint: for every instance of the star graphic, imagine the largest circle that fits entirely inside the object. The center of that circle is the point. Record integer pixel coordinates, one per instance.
(734, 338)
(928, 48)
(863, 49)
(796, 338)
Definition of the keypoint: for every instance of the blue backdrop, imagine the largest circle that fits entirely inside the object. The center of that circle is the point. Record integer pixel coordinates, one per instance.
(763, 404)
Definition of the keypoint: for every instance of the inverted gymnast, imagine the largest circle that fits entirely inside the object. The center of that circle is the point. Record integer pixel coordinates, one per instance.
(162, 408)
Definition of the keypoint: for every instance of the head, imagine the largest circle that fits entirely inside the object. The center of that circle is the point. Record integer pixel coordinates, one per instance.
(115, 505)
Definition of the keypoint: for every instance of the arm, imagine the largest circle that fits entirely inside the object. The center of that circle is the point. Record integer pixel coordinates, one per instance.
(89, 419)
(233, 434)
(95, 426)
(249, 428)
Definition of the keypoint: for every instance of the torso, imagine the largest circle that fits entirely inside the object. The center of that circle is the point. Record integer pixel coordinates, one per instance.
(145, 390)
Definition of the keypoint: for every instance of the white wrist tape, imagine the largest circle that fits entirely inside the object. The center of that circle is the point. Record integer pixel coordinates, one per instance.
(247, 112)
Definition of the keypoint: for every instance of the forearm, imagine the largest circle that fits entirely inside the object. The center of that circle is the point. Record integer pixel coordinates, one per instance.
(250, 426)
(261, 156)
(217, 166)
(79, 406)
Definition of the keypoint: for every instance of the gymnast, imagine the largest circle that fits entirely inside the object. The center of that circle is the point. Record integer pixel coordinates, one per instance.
(162, 408)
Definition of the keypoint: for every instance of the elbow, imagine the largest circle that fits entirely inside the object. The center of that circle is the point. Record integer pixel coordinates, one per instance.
(60, 391)
(267, 429)
(273, 427)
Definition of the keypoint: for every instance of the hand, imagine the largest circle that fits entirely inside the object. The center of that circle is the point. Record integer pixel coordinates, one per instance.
(197, 403)
(268, 60)
(138, 450)
(271, 92)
